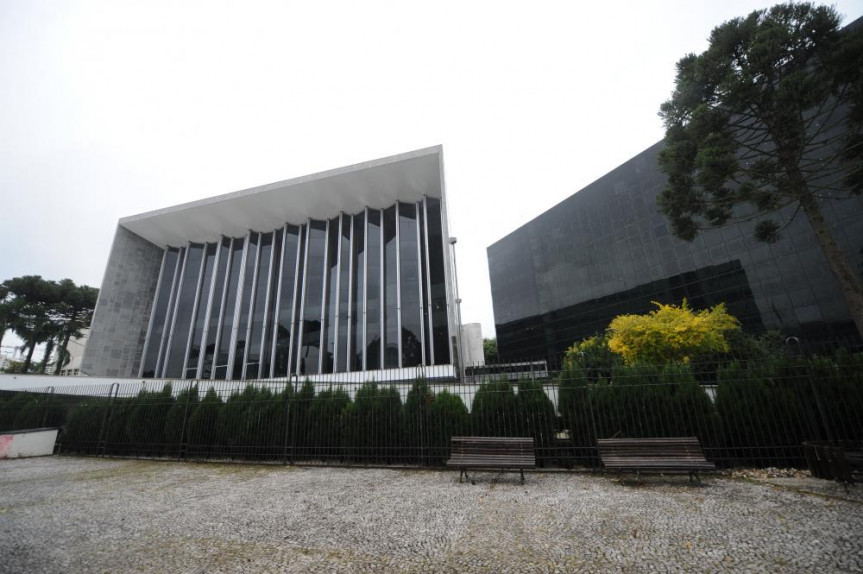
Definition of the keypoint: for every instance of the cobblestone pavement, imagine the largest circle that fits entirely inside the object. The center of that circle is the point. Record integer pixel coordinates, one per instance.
(63, 514)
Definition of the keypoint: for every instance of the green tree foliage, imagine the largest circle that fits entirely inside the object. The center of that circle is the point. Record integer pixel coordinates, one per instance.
(489, 350)
(43, 311)
(593, 356)
(671, 334)
(766, 124)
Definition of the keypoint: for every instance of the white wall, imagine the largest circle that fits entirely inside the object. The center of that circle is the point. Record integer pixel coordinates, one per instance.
(26, 444)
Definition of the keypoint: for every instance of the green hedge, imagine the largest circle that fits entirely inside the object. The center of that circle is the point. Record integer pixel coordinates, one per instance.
(763, 410)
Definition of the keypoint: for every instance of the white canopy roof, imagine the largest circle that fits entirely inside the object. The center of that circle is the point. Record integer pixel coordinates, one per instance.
(377, 184)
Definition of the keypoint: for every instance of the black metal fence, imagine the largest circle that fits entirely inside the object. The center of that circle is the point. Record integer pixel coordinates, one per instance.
(745, 412)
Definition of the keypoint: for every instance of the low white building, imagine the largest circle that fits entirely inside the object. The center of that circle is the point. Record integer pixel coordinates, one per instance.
(75, 349)
(471, 334)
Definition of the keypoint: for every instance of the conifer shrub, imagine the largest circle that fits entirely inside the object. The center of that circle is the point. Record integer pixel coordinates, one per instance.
(537, 419)
(11, 408)
(448, 417)
(29, 410)
(326, 417)
(115, 435)
(145, 422)
(373, 424)
(300, 422)
(761, 410)
(177, 420)
(82, 428)
(417, 422)
(495, 410)
(234, 423)
(203, 433)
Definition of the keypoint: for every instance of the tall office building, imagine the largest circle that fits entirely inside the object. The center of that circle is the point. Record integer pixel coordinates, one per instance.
(607, 250)
(342, 271)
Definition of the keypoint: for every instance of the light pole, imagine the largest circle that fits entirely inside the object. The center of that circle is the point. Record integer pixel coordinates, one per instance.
(452, 242)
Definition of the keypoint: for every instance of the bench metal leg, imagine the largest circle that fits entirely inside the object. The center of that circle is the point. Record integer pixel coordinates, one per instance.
(522, 475)
(460, 473)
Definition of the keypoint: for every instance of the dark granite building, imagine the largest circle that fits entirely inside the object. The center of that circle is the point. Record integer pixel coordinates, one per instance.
(607, 250)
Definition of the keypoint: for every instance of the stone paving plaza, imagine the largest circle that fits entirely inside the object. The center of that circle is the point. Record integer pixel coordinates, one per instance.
(64, 514)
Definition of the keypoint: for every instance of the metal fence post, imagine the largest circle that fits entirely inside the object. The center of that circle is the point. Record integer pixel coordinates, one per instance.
(288, 384)
(47, 406)
(182, 446)
(101, 447)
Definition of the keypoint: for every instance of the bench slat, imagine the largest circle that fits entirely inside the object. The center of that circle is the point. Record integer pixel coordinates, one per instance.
(654, 454)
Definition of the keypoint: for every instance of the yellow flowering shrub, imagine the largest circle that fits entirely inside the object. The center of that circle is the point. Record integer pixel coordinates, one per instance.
(671, 334)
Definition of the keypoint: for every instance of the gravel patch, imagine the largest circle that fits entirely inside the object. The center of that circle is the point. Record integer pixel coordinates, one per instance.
(64, 514)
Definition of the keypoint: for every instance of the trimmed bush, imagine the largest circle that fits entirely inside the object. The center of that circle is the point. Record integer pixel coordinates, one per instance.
(203, 433)
(177, 420)
(448, 417)
(326, 421)
(145, 422)
(373, 424)
(537, 418)
(495, 410)
(417, 422)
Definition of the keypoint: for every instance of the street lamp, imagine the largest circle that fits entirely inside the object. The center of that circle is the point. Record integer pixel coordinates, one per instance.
(452, 242)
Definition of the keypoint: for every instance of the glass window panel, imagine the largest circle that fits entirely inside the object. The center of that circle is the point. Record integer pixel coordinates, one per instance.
(285, 312)
(357, 284)
(303, 232)
(344, 294)
(230, 306)
(440, 328)
(160, 310)
(391, 319)
(266, 343)
(374, 334)
(245, 305)
(410, 286)
(424, 281)
(215, 308)
(201, 312)
(253, 357)
(310, 341)
(169, 315)
(332, 286)
(184, 309)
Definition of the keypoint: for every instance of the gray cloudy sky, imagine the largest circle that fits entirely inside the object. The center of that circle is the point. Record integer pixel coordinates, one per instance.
(112, 108)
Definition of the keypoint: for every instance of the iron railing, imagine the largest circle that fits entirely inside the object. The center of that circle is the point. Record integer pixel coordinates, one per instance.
(745, 412)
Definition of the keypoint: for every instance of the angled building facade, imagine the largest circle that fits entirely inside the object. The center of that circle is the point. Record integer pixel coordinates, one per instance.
(342, 271)
(607, 250)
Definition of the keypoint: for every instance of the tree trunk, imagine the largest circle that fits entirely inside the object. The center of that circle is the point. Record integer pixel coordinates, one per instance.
(49, 348)
(851, 287)
(61, 354)
(29, 359)
(2, 332)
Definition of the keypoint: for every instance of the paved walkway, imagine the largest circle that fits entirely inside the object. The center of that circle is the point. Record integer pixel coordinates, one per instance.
(64, 514)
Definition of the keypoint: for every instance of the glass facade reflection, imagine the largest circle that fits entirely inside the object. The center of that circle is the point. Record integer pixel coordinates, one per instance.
(360, 291)
(607, 250)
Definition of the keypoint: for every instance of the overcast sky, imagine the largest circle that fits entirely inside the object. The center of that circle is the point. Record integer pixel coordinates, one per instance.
(113, 108)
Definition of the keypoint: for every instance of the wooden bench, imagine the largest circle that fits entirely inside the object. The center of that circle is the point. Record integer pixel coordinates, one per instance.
(480, 452)
(666, 455)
